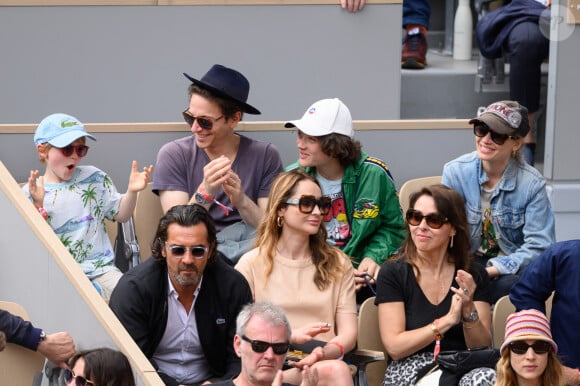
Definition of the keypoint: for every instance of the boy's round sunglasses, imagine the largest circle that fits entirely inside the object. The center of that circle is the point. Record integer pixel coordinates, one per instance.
(306, 204)
(81, 150)
(521, 347)
(69, 377)
(434, 220)
(481, 129)
(260, 346)
(205, 123)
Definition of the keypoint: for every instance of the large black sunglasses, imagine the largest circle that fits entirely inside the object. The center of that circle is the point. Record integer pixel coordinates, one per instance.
(434, 220)
(197, 251)
(481, 129)
(306, 204)
(260, 346)
(81, 150)
(520, 347)
(205, 123)
(69, 377)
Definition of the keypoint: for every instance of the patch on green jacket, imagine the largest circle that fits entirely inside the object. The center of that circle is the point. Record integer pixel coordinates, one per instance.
(366, 208)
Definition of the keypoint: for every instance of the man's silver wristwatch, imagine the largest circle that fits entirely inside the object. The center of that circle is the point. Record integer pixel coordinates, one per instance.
(200, 199)
(42, 336)
(473, 317)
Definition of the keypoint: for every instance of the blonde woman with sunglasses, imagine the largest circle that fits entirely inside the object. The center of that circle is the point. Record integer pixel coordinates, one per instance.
(313, 282)
(528, 354)
(431, 297)
(510, 216)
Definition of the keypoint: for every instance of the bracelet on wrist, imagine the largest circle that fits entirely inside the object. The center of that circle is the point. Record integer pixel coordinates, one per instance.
(438, 336)
(340, 347)
(42, 212)
(201, 197)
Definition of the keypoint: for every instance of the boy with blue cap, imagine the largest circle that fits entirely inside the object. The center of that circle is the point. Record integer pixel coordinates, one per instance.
(75, 200)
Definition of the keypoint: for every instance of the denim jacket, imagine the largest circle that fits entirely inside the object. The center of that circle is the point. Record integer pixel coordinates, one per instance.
(520, 210)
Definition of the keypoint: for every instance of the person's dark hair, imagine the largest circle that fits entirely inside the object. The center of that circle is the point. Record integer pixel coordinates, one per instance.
(185, 216)
(450, 204)
(228, 107)
(345, 149)
(271, 313)
(105, 367)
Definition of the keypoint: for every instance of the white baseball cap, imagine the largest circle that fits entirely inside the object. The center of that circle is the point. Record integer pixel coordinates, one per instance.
(325, 117)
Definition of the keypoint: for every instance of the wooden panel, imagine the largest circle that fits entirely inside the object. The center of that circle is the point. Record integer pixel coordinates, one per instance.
(573, 14)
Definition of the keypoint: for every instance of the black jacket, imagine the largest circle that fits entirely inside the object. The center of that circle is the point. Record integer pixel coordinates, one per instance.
(140, 303)
(19, 331)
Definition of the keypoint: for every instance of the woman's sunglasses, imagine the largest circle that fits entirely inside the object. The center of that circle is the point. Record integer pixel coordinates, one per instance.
(69, 377)
(307, 203)
(521, 347)
(196, 251)
(481, 130)
(81, 150)
(260, 346)
(204, 123)
(434, 220)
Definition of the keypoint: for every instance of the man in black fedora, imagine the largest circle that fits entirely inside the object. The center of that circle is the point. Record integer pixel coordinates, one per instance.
(227, 173)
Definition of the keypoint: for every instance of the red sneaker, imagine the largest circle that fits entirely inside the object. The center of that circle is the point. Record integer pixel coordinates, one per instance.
(414, 50)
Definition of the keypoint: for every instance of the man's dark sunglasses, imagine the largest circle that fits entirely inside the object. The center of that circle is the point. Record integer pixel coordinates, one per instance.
(197, 251)
(69, 377)
(307, 203)
(81, 150)
(434, 220)
(260, 347)
(520, 347)
(481, 129)
(204, 123)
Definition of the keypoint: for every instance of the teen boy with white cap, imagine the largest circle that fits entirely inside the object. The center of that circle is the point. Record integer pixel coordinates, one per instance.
(365, 220)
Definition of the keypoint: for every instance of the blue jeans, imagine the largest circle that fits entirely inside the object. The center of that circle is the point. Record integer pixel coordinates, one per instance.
(416, 12)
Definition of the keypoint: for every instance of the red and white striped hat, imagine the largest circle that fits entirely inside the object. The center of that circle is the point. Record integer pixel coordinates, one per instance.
(528, 325)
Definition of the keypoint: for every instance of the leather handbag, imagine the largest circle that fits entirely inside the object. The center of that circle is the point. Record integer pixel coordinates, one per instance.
(463, 361)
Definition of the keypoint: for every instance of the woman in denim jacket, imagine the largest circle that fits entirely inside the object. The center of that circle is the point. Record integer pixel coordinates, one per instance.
(507, 205)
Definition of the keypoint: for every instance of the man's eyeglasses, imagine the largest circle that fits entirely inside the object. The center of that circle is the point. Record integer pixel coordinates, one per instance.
(69, 377)
(307, 203)
(434, 220)
(520, 347)
(81, 150)
(197, 251)
(481, 130)
(204, 123)
(260, 346)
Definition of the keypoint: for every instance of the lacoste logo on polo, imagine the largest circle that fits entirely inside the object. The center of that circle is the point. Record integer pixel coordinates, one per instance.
(219, 321)
(66, 123)
(312, 110)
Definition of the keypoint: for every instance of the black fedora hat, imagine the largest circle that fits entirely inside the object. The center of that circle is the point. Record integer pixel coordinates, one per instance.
(226, 83)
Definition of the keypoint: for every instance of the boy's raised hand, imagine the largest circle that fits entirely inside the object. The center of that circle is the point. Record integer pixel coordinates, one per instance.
(36, 189)
(139, 180)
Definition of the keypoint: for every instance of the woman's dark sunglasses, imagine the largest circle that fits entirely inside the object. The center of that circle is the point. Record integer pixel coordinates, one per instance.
(260, 347)
(434, 220)
(69, 376)
(196, 251)
(204, 123)
(81, 150)
(481, 130)
(307, 203)
(521, 347)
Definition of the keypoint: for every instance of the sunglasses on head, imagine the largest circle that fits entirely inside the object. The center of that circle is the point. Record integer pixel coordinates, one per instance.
(81, 150)
(481, 129)
(521, 347)
(69, 377)
(197, 251)
(434, 220)
(260, 347)
(307, 203)
(204, 123)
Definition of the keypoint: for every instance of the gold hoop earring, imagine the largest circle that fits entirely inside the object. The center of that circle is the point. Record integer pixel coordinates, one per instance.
(279, 221)
(451, 244)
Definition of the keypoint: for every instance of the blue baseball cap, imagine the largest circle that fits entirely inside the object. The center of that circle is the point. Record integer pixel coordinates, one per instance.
(60, 130)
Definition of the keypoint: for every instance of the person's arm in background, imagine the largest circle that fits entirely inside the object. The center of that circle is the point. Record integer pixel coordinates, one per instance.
(352, 5)
(57, 347)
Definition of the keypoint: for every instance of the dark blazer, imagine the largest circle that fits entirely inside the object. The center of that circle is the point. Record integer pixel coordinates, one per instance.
(19, 331)
(140, 303)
